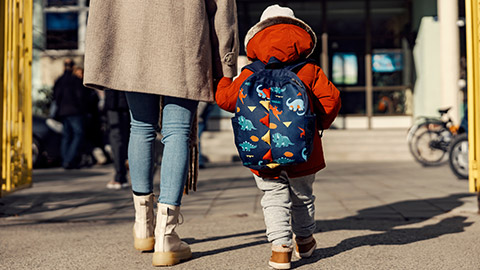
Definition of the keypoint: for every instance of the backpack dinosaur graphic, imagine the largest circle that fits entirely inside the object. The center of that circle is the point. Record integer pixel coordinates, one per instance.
(273, 124)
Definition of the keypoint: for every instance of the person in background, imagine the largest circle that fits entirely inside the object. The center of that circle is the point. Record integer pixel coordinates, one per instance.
(165, 55)
(118, 118)
(71, 103)
(93, 144)
(204, 111)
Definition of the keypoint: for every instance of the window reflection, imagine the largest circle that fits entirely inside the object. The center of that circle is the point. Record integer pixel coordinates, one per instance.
(51, 3)
(345, 69)
(62, 30)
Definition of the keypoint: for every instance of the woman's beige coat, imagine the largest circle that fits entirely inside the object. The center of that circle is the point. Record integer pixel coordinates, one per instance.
(166, 47)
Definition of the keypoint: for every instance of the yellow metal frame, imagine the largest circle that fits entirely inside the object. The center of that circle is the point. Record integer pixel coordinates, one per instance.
(15, 94)
(472, 10)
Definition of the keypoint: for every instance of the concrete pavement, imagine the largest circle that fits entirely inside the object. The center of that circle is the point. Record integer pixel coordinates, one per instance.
(375, 209)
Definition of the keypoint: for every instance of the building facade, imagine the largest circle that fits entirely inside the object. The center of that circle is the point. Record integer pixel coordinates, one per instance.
(366, 47)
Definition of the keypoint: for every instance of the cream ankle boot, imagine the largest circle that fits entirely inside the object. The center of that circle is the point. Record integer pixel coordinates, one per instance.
(143, 229)
(169, 249)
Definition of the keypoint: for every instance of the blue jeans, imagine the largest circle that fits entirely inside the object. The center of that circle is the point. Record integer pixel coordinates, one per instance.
(177, 119)
(72, 138)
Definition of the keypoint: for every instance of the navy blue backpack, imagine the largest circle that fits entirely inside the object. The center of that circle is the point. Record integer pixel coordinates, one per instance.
(273, 123)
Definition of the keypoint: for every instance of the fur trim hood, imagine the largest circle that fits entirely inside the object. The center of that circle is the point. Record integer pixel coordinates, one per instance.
(280, 20)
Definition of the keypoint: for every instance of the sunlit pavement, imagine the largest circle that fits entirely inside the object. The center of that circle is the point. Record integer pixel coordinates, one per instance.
(375, 209)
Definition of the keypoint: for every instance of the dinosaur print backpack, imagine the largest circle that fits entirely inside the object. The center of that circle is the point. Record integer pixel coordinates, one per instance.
(273, 123)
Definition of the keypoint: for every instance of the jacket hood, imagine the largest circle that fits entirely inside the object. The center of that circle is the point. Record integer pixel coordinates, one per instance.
(285, 42)
(280, 20)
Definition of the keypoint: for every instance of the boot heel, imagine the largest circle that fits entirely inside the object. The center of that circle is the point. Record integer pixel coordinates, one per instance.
(304, 247)
(281, 257)
(169, 248)
(143, 244)
(170, 258)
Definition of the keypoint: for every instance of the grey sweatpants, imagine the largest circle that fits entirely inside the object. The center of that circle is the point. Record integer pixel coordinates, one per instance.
(284, 200)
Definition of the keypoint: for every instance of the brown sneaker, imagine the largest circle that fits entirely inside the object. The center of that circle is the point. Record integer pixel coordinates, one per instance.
(305, 246)
(281, 257)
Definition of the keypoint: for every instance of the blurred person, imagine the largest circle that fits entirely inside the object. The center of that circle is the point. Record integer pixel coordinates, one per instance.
(288, 200)
(118, 118)
(71, 101)
(204, 111)
(93, 143)
(170, 51)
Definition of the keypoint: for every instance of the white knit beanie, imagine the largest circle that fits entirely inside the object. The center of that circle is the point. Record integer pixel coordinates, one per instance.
(276, 11)
(276, 14)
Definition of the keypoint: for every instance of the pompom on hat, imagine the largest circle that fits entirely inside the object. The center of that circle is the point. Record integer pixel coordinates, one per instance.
(276, 14)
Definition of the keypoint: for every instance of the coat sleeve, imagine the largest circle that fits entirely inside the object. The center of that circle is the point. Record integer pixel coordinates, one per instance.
(224, 37)
(228, 89)
(328, 96)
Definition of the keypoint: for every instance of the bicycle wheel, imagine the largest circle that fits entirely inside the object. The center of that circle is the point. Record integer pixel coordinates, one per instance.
(458, 156)
(426, 150)
(412, 136)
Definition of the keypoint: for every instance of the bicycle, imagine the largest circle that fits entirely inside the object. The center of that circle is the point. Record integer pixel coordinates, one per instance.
(458, 152)
(430, 137)
(458, 156)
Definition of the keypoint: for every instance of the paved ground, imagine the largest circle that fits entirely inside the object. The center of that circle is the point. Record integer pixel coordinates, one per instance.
(376, 209)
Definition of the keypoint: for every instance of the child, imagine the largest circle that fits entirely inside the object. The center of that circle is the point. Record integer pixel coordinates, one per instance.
(288, 190)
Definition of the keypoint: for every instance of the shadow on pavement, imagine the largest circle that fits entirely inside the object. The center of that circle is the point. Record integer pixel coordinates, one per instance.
(259, 240)
(405, 213)
(49, 175)
(65, 196)
(386, 217)
(226, 249)
(449, 225)
(64, 204)
(215, 238)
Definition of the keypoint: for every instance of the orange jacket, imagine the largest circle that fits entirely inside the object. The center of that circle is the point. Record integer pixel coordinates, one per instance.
(287, 43)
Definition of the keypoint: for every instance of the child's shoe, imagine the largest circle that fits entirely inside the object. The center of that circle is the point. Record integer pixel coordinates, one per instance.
(305, 246)
(281, 257)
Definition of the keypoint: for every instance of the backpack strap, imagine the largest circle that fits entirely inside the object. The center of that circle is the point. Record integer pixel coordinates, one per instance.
(273, 63)
(255, 66)
(294, 67)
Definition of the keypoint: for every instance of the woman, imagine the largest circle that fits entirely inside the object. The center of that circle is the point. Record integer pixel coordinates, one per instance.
(151, 49)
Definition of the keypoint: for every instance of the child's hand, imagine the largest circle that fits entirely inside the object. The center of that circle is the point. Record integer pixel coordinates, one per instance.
(216, 81)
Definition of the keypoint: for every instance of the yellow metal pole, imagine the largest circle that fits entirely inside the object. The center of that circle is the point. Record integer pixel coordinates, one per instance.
(473, 78)
(13, 105)
(15, 94)
(2, 86)
(27, 83)
(6, 96)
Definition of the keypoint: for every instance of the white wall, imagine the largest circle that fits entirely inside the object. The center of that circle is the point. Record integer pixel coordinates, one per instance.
(427, 97)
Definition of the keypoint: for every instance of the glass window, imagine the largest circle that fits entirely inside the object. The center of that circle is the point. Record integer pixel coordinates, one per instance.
(345, 69)
(62, 31)
(51, 3)
(389, 102)
(387, 62)
(353, 102)
(387, 67)
(346, 18)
